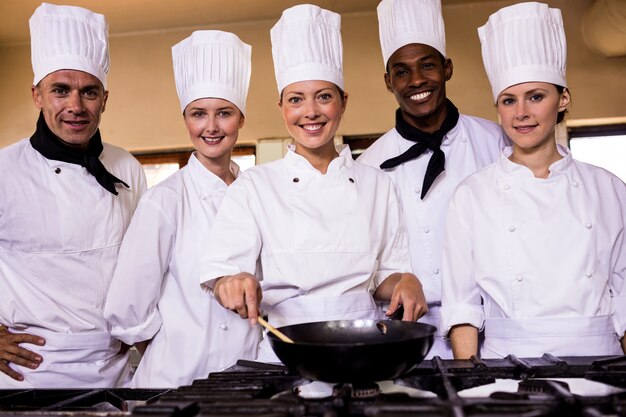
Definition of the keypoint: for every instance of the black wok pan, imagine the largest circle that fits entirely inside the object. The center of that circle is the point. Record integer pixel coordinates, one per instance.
(353, 350)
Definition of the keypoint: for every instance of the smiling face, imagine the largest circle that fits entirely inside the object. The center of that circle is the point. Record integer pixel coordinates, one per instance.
(312, 112)
(72, 103)
(417, 75)
(213, 126)
(528, 113)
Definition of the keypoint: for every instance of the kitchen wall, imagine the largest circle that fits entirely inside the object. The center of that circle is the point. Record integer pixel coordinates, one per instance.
(143, 111)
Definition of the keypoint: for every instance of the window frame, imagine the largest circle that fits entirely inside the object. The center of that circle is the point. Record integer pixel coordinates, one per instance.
(615, 129)
(181, 156)
(359, 143)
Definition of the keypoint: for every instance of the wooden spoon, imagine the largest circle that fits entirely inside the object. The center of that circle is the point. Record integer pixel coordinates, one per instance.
(273, 330)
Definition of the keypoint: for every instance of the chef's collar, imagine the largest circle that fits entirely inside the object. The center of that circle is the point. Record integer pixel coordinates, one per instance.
(556, 168)
(448, 138)
(561, 165)
(50, 146)
(300, 164)
(207, 183)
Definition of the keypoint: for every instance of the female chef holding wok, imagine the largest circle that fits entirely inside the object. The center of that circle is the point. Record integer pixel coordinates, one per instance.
(538, 237)
(318, 232)
(155, 294)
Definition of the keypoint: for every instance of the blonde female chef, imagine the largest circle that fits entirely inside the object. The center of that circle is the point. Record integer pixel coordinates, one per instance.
(538, 236)
(155, 294)
(321, 232)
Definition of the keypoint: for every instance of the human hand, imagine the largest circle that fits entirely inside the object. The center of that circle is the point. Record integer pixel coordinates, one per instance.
(408, 293)
(12, 353)
(464, 341)
(240, 293)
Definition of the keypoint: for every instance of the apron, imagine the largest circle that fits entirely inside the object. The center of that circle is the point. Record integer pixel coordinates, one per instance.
(559, 336)
(312, 308)
(73, 360)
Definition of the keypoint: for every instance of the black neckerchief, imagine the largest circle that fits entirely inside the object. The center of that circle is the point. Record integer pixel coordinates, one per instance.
(51, 147)
(424, 141)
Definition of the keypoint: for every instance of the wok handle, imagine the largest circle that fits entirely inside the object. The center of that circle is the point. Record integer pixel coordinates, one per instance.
(397, 315)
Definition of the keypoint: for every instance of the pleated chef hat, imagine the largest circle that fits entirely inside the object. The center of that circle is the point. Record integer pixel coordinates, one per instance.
(524, 43)
(306, 45)
(212, 64)
(403, 22)
(68, 37)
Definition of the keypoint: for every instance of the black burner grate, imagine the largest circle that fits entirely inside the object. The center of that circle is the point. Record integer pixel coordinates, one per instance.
(253, 389)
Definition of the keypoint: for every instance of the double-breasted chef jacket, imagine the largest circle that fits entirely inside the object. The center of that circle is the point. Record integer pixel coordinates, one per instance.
(59, 240)
(546, 256)
(320, 243)
(472, 144)
(155, 292)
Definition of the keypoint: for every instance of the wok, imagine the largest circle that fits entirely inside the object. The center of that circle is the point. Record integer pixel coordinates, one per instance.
(353, 350)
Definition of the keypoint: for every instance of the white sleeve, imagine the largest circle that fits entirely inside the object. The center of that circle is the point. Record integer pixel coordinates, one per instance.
(236, 239)
(618, 264)
(140, 184)
(131, 305)
(461, 301)
(394, 253)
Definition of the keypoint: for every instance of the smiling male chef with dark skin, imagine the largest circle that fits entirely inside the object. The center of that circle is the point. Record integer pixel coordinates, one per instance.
(65, 202)
(432, 147)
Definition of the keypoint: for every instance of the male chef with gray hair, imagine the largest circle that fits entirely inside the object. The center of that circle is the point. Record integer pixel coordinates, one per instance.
(66, 199)
(432, 146)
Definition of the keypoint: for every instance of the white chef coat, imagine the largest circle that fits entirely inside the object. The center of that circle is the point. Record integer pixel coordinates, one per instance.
(472, 144)
(546, 256)
(60, 237)
(155, 293)
(324, 241)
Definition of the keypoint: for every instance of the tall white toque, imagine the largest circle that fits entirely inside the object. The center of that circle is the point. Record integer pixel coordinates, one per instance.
(212, 64)
(71, 38)
(524, 43)
(403, 22)
(306, 45)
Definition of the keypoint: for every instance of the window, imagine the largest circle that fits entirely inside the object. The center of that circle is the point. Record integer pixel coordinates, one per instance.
(359, 143)
(604, 146)
(161, 164)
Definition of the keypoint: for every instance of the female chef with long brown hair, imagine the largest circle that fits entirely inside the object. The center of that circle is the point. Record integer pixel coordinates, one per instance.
(319, 233)
(155, 296)
(535, 248)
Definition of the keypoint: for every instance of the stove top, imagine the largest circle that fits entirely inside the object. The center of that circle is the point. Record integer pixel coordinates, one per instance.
(545, 386)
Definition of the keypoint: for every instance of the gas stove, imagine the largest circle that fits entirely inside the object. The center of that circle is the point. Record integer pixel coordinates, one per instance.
(546, 386)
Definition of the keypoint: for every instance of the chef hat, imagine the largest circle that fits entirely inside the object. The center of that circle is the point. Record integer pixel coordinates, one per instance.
(524, 43)
(306, 45)
(68, 37)
(212, 63)
(403, 22)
